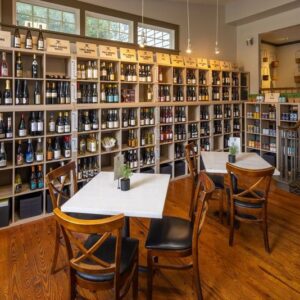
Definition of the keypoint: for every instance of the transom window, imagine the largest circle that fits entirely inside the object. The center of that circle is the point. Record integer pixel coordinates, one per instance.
(50, 16)
(156, 36)
(108, 27)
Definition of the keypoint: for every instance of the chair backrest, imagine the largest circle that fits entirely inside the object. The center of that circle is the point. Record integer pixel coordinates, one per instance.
(82, 257)
(205, 188)
(256, 183)
(56, 185)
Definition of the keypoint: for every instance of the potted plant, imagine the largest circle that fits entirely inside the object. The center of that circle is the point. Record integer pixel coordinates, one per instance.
(125, 180)
(232, 153)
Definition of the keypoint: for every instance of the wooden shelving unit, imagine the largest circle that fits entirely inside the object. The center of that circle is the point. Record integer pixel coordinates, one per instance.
(155, 156)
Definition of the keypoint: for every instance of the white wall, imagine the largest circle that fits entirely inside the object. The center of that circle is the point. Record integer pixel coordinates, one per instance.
(249, 55)
(202, 23)
(287, 65)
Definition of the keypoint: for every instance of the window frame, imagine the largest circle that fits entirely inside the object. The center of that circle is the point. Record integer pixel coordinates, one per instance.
(50, 5)
(98, 16)
(172, 33)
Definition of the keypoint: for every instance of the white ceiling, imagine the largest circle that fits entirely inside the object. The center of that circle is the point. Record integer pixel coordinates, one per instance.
(282, 36)
(213, 2)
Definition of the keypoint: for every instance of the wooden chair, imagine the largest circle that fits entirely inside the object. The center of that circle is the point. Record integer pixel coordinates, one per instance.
(249, 204)
(218, 180)
(104, 260)
(56, 181)
(172, 237)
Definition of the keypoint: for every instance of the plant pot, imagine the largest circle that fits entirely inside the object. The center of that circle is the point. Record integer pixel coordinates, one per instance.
(231, 158)
(125, 184)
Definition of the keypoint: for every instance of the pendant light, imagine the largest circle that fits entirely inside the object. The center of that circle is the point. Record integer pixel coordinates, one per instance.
(189, 46)
(217, 49)
(143, 40)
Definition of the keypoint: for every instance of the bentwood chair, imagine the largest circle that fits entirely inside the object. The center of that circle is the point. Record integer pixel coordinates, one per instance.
(172, 237)
(249, 204)
(99, 258)
(57, 181)
(191, 159)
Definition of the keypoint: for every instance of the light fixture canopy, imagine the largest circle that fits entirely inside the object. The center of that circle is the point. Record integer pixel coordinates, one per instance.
(189, 45)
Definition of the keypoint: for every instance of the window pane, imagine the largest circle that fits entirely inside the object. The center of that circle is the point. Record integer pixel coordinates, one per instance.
(23, 19)
(55, 25)
(23, 8)
(55, 14)
(68, 17)
(68, 28)
(39, 11)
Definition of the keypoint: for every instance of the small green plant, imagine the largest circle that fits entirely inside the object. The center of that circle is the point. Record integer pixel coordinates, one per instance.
(126, 171)
(233, 149)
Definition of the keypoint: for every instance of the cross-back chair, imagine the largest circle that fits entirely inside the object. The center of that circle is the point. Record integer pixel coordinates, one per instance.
(191, 158)
(249, 203)
(103, 260)
(172, 237)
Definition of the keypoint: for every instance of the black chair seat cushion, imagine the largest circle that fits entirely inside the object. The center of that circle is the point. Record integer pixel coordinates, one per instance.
(107, 253)
(84, 216)
(218, 180)
(169, 233)
(243, 203)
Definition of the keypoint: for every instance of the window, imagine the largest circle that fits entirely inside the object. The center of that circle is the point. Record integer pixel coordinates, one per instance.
(51, 16)
(157, 36)
(108, 27)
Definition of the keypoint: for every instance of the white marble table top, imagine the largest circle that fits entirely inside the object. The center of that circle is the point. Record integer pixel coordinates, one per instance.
(215, 162)
(145, 199)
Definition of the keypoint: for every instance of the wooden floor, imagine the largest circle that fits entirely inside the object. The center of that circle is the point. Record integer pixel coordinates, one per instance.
(244, 271)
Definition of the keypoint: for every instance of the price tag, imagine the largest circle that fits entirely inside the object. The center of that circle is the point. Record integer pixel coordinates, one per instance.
(225, 65)
(145, 57)
(190, 62)
(215, 65)
(109, 53)
(202, 63)
(86, 50)
(5, 39)
(177, 61)
(74, 144)
(58, 46)
(127, 54)
(163, 59)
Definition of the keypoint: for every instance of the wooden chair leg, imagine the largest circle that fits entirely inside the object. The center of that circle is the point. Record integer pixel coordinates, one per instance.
(231, 233)
(149, 275)
(197, 279)
(221, 209)
(266, 236)
(135, 283)
(56, 249)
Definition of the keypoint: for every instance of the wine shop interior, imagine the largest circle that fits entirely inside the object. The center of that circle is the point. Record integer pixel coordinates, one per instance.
(149, 149)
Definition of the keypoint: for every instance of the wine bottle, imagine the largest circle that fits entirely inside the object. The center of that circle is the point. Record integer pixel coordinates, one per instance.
(25, 93)
(95, 94)
(4, 66)
(40, 40)
(39, 153)
(28, 39)
(51, 123)
(67, 92)
(54, 94)
(60, 128)
(40, 124)
(7, 93)
(17, 38)
(50, 153)
(67, 123)
(32, 125)
(57, 149)
(48, 93)
(79, 170)
(89, 70)
(9, 132)
(67, 147)
(33, 179)
(19, 66)
(29, 153)
(22, 130)
(20, 155)
(3, 156)
(40, 177)
(34, 67)
(37, 94)
(2, 127)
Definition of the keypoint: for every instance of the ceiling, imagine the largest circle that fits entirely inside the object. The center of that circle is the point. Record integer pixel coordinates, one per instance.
(282, 36)
(213, 2)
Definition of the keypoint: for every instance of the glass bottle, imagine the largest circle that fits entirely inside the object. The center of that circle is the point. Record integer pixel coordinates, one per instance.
(40, 40)
(37, 94)
(4, 66)
(18, 183)
(19, 66)
(3, 156)
(57, 149)
(28, 39)
(29, 153)
(67, 123)
(34, 67)
(9, 132)
(91, 143)
(40, 177)
(22, 130)
(39, 153)
(25, 93)
(59, 127)
(50, 153)
(32, 125)
(20, 155)
(2, 127)
(17, 38)
(67, 147)
(33, 179)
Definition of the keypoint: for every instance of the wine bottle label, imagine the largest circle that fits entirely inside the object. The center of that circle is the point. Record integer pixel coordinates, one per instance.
(51, 127)
(19, 73)
(17, 42)
(116, 98)
(67, 153)
(134, 78)
(37, 99)
(8, 101)
(89, 74)
(40, 126)
(40, 45)
(4, 71)
(95, 74)
(2, 135)
(92, 147)
(110, 124)
(9, 134)
(20, 159)
(57, 154)
(67, 128)
(103, 96)
(142, 122)
(33, 184)
(103, 126)
(3, 163)
(95, 99)
(29, 157)
(40, 183)
(60, 128)
(95, 126)
(33, 127)
(79, 175)
(28, 43)
(87, 127)
(22, 132)
(25, 100)
(39, 156)
(116, 124)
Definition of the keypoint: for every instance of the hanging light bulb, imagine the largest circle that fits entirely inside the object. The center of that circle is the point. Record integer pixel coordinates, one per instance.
(217, 49)
(189, 45)
(143, 40)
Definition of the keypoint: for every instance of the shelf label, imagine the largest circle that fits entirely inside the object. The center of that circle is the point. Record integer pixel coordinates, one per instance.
(74, 144)
(202, 63)
(106, 52)
(127, 54)
(73, 69)
(190, 62)
(145, 57)
(74, 120)
(234, 67)
(86, 49)
(163, 59)
(73, 92)
(5, 39)
(215, 65)
(225, 65)
(58, 46)
(177, 61)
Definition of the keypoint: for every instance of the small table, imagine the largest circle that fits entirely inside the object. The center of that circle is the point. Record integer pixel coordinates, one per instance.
(145, 199)
(215, 162)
